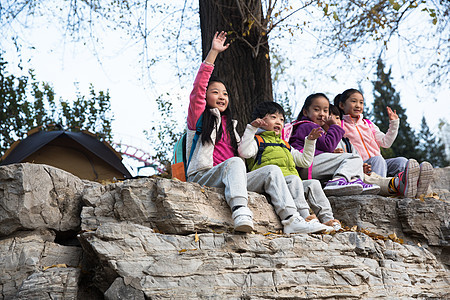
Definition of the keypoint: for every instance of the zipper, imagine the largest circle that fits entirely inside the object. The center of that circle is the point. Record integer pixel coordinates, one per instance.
(360, 135)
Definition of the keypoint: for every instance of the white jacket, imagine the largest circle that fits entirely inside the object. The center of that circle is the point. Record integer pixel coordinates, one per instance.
(202, 158)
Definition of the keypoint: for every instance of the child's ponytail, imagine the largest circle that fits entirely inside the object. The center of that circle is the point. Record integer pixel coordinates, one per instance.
(336, 102)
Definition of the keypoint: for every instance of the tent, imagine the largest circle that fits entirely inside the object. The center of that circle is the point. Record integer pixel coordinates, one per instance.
(79, 153)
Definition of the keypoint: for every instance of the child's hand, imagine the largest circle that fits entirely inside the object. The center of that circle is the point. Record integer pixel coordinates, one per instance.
(332, 121)
(391, 114)
(219, 41)
(258, 123)
(367, 169)
(338, 150)
(315, 133)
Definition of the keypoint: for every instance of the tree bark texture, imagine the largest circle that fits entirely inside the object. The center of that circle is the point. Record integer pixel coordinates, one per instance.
(245, 65)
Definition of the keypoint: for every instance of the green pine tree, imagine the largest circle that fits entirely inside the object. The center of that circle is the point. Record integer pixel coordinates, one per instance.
(385, 95)
(431, 149)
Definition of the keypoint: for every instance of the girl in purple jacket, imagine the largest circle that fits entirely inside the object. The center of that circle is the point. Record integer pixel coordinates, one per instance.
(344, 169)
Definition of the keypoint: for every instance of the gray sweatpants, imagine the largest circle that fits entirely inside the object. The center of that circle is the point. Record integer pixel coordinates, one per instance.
(319, 203)
(387, 167)
(312, 190)
(330, 165)
(233, 177)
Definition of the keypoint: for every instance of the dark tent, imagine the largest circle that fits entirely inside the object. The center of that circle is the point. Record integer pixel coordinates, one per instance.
(79, 153)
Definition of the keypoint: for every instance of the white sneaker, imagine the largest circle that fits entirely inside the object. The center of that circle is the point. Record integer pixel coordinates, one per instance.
(337, 226)
(425, 176)
(328, 228)
(243, 219)
(297, 224)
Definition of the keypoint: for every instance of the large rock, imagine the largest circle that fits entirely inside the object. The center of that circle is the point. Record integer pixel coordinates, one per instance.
(158, 238)
(55, 283)
(24, 257)
(169, 206)
(425, 222)
(38, 196)
(440, 183)
(207, 266)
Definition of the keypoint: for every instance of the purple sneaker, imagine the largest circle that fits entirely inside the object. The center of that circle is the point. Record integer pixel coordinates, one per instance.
(368, 189)
(341, 187)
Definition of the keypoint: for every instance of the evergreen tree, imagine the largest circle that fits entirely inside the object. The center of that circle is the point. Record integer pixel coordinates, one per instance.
(385, 95)
(431, 148)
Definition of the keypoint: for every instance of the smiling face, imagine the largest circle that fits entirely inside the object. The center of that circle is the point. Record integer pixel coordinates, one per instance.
(318, 110)
(354, 105)
(217, 96)
(275, 122)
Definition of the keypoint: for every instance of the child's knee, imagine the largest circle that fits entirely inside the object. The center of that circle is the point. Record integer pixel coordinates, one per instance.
(236, 162)
(273, 171)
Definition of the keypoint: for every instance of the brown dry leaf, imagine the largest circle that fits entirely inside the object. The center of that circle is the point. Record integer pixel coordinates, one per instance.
(392, 236)
(55, 266)
(196, 239)
(422, 198)
(182, 250)
(354, 228)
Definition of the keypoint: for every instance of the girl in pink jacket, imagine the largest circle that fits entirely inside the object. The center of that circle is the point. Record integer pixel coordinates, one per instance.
(367, 138)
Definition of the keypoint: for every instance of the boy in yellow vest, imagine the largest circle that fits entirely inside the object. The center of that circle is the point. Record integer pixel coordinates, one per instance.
(262, 145)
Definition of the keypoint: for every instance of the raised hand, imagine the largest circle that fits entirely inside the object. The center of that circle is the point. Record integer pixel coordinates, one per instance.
(218, 42)
(258, 123)
(391, 114)
(218, 45)
(315, 133)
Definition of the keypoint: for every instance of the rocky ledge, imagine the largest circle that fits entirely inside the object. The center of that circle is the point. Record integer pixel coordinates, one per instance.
(156, 238)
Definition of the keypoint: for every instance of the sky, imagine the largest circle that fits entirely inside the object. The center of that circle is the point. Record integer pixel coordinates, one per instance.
(114, 65)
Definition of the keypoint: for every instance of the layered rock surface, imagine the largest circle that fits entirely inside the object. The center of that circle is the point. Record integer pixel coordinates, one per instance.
(156, 238)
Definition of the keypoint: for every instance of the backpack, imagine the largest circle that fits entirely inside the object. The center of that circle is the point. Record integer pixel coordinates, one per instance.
(180, 161)
(286, 132)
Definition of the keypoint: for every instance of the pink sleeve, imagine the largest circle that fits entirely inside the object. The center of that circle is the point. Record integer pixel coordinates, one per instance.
(197, 99)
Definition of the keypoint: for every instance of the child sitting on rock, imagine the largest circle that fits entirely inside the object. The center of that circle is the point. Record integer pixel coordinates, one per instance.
(262, 146)
(407, 183)
(344, 169)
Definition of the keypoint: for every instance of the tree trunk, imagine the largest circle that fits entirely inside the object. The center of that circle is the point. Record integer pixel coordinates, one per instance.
(244, 68)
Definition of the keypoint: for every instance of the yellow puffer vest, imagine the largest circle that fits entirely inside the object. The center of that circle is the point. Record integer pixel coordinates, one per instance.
(278, 154)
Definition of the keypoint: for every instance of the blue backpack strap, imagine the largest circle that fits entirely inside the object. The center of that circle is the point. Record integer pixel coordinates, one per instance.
(261, 145)
(198, 132)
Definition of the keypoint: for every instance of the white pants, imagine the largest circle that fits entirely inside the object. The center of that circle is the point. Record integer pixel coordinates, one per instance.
(330, 165)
